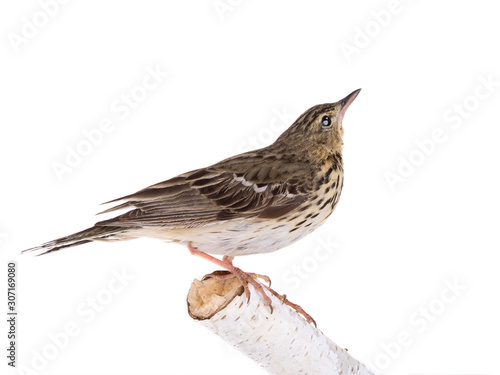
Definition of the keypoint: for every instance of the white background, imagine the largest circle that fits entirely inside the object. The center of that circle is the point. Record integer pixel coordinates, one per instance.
(368, 276)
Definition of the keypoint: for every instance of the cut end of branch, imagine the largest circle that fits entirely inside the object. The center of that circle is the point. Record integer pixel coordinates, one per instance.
(211, 295)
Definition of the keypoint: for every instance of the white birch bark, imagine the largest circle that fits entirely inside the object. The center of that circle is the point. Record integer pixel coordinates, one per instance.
(282, 342)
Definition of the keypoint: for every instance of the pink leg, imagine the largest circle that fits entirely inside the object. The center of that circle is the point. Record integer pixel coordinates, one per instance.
(244, 277)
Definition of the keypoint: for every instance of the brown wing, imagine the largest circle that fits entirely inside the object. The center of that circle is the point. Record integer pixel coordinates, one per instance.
(218, 193)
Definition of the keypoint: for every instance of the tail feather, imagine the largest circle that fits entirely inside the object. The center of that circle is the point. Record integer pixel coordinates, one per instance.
(75, 239)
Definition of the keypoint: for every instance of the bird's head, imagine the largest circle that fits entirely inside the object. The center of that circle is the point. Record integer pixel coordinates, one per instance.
(319, 129)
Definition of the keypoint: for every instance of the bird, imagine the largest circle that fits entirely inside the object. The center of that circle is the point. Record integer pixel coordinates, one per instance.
(255, 202)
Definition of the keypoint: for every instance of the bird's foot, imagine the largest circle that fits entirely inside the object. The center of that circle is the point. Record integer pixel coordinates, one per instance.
(248, 278)
(244, 277)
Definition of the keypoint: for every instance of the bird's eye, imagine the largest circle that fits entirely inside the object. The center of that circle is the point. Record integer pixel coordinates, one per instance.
(325, 121)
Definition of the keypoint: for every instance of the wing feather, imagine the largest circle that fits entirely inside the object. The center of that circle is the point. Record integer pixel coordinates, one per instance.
(214, 194)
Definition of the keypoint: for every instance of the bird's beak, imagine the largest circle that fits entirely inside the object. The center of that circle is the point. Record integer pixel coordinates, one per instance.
(346, 102)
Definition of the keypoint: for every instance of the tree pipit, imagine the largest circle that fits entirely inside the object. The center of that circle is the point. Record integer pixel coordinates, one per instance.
(252, 203)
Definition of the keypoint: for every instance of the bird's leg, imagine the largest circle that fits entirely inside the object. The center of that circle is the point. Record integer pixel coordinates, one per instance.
(244, 277)
(247, 277)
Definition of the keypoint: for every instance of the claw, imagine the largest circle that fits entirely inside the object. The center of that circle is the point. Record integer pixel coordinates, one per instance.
(294, 306)
(262, 277)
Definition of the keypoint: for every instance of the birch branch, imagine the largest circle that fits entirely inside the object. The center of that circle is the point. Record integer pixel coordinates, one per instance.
(282, 342)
